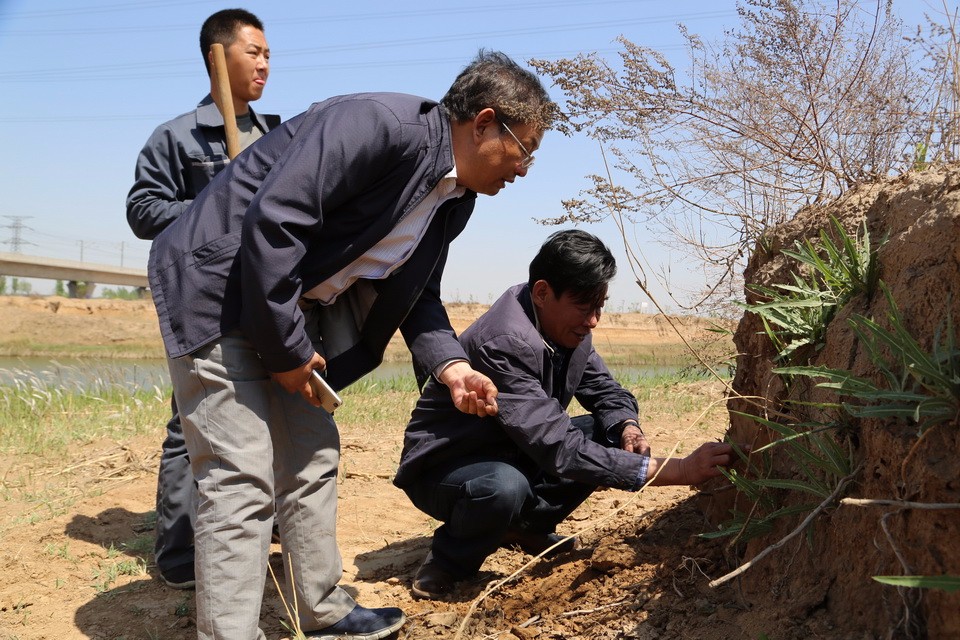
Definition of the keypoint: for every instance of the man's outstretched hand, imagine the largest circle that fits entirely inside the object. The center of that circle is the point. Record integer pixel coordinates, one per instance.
(701, 465)
(471, 391)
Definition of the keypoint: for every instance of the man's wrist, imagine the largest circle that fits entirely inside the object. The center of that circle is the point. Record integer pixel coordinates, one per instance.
(443, 366)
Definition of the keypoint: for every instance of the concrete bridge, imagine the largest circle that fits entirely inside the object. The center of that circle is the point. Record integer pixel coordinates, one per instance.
(21, 266)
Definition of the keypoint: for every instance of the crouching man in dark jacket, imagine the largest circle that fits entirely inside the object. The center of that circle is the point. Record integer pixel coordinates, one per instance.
(509, 479)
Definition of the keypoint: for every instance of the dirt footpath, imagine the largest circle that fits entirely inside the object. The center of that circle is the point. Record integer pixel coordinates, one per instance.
(70, 565)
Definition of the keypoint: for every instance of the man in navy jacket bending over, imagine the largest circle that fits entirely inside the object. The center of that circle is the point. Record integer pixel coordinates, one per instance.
(509, 479)
(307, 253)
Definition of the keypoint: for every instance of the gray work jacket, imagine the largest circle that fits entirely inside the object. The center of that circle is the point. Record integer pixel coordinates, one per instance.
(179, 159)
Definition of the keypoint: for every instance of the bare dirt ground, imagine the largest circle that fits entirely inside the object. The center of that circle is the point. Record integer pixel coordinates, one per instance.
(77, 564)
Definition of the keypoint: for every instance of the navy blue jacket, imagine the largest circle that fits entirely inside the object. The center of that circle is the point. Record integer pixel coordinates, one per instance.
(533, 426)
(295, 208)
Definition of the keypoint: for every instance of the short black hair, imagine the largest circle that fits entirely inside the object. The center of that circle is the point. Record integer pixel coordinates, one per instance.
(222, 27)
(575, 261)
(494, 80)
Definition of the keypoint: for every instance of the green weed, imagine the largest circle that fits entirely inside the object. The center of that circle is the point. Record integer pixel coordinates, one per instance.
(920, 387)
(797, 315)
(183, 608)
(817, 461)
(946, 583)
(796, 319)
(139, 546)
(105, 575)
(60, 551)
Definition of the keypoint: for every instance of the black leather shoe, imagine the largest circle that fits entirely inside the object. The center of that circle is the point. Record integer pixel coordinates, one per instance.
(363, 624)
(432, 582)
(536, 543)
(180, 577)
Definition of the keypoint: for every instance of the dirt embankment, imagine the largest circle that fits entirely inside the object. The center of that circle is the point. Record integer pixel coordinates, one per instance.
(65, 327)
(914, 225)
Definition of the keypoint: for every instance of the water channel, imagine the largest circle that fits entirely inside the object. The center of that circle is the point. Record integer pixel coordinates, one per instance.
(91, 374)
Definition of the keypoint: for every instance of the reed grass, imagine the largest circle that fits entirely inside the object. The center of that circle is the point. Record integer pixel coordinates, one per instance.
(48, 414)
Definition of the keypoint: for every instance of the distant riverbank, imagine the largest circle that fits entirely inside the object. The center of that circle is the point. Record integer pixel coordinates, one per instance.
(65, 328)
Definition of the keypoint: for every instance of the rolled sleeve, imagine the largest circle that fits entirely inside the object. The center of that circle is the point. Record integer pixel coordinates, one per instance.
(642, 473)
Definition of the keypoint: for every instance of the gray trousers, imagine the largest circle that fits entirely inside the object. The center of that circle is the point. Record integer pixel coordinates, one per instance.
(252, 445)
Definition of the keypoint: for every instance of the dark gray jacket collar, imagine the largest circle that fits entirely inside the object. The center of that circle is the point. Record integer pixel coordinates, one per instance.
(208, 115)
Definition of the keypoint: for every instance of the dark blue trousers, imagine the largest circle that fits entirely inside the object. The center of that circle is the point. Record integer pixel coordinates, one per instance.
(481, 497)
(176, 500)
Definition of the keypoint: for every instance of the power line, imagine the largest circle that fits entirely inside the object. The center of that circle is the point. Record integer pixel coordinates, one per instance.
(60, 74)
(120, 252)
(126, 71)
(125, 7)
(366, 17)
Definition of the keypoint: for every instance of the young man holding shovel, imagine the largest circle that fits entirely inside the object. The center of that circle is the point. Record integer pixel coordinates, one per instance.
(179, 159)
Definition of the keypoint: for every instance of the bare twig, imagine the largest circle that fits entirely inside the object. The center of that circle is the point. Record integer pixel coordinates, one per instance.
(293, 616)
(793, 106)
(368, 476)
(908, 599)
(793, 534)
(903, 504)
(529, 622)
(617, 211)
(121, 452)
(913, 449)
(893, 545)
(581, 612)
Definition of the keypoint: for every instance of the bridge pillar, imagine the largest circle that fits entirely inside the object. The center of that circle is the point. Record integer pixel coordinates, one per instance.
(79, 289)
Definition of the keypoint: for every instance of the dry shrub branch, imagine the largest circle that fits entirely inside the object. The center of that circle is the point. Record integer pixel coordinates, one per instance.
(801, 101)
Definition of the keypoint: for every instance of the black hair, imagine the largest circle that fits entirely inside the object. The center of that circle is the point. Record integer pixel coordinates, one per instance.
(575, 261)
(494, 80)
(222, 27)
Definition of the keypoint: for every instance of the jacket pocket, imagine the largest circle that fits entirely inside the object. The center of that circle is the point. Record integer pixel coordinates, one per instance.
(203, 169)
(216, 249)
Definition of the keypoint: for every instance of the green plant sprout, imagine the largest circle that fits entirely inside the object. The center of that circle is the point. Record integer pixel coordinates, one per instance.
(795, 319)
(820, 463)
(915, 386)
(797, 315)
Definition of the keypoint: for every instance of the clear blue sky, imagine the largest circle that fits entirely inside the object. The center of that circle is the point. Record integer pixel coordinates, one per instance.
(85, 83)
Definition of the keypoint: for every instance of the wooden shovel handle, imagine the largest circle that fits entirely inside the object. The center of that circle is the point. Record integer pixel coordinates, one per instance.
(222, 80)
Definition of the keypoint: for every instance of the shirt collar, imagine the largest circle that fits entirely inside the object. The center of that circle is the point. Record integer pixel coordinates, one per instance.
(448, 185)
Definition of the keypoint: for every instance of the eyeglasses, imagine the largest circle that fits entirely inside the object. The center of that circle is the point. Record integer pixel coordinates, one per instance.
(528, 161)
